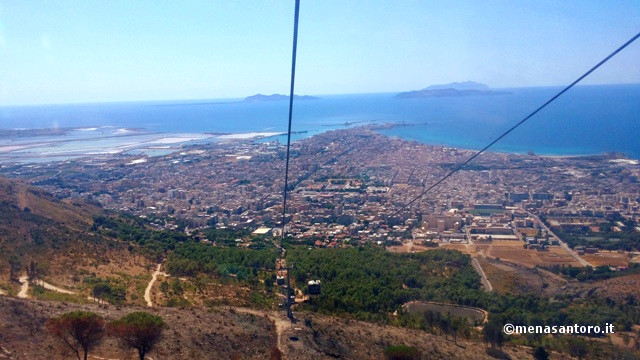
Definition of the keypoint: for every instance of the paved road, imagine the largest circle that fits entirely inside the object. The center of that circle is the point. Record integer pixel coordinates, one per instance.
(483, 278)
(562, 243)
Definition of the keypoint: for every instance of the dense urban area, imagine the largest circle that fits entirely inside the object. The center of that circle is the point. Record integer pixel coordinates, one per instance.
(526, 238)
(350, 187)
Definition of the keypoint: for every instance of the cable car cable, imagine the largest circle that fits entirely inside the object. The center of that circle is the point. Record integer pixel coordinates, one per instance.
(293, 77)
(459, 167)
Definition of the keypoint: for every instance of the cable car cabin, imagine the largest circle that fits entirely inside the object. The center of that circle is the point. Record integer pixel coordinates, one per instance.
(280, 280)
(314, 287)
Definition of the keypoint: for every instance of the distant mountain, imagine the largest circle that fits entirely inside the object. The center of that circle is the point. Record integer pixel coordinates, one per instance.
(468, 88)
(277, 97)
(467, 85)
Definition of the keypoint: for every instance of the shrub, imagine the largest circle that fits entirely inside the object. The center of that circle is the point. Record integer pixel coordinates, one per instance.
(401, 352)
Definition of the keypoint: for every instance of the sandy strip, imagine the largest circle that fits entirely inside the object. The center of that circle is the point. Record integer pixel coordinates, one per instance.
(250, 135)
(10, 148)
(137, 161)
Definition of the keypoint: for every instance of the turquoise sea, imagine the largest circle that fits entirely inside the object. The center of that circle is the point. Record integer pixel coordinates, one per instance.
(586, 120)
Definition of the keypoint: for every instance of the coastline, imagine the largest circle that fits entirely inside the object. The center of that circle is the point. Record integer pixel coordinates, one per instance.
(582, 126)
(56, 144)
(59, 144)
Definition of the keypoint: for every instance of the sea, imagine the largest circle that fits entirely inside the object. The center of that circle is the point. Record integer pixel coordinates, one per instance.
(586, 120)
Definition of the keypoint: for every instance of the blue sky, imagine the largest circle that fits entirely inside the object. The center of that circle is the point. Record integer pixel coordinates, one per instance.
(100, 51)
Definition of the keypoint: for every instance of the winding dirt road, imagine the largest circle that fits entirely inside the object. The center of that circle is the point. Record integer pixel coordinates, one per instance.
(147, 291)
(24, 289)
(57, 289)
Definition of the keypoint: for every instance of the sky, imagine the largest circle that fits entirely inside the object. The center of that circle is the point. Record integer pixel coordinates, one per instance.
(104, 51)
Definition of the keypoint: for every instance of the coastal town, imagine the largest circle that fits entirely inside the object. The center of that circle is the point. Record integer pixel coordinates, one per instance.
(523, 226)
(351, 186)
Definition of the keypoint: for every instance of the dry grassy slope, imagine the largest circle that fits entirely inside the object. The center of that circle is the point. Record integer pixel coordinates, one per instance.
(224, 333)
(520, 280)
(55, 234)
(509, 278)
(618, 288)
(76, 214)
(190, 334)
(331, 337)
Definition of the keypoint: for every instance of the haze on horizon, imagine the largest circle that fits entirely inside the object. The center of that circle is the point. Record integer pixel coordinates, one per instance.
(94, 51)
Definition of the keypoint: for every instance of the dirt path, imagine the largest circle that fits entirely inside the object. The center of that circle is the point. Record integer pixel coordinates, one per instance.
(24, 287)
(147, 291)
(278, 319)
(2, 292)
(55, 288)
(483, 277)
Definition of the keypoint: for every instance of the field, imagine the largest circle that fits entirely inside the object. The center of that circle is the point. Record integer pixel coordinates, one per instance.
(485, 212)
(521, 280)
(528, 231)
(472, 314)
(513, 251)
(610, 258)
(463, 248)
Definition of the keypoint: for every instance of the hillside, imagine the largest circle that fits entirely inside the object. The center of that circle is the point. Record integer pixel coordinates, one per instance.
(56, 237)
(222, 301)
(17, 197)
(468, 88)
(231, 333)
(277, 97)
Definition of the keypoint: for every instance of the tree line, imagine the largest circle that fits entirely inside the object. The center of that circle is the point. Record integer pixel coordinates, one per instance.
(189, 259)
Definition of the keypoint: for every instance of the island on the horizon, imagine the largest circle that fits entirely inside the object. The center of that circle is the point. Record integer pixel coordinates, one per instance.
(468, 88)
(277, 97)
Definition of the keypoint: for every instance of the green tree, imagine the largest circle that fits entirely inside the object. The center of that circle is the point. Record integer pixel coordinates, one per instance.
(577, 347)
(176, 286)
(15, 264)
(79, 330)
(493, 332)
(100, 290)
(401, 352)
(164, 287)
(541, 354)
(33, 272)
(139, 330)
(268, 283)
